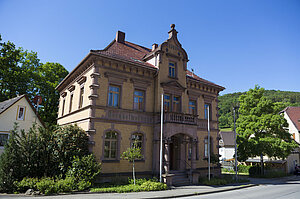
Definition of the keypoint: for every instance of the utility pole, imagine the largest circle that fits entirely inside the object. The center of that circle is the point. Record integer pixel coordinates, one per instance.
(208, 142)
(235, 147)
(161, 136)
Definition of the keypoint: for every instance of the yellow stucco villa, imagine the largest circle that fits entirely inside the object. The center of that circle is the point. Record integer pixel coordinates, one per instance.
(114, 94)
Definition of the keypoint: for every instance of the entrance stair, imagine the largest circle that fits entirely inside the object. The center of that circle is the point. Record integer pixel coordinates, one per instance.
(180, 178)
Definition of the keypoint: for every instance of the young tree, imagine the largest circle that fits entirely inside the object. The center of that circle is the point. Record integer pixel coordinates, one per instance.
(131, 154)
(261, 129)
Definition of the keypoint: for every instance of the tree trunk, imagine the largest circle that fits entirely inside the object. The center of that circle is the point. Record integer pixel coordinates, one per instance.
(262, 164)
(133, 172)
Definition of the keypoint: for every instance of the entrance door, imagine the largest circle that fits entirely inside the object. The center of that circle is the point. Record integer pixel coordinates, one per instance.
(175, 153)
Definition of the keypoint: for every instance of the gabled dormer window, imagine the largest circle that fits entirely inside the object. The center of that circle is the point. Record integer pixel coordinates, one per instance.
(172, 69)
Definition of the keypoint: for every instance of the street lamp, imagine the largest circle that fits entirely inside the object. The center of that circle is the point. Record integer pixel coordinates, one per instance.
(235, 146)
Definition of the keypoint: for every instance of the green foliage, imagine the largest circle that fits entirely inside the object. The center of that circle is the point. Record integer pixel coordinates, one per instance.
(47, 186)
(84, 169)
(83, 185)
(243, 168)
(254, 171)
(65, 185)
(227, 102)
(71, 141)
(153, 186)
(22, 73)
(140, 181)
(46, 152)
(141, 185)
(26, 183)
(261, 130)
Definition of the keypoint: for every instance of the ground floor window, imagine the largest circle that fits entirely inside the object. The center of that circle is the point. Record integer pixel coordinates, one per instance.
(3, 139)
(110, 145)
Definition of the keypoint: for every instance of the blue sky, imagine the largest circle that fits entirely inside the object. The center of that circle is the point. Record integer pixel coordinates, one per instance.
(234, 43)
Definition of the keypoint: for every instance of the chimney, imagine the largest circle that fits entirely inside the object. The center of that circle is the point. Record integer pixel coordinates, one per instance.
(154, 46)
(120, 37)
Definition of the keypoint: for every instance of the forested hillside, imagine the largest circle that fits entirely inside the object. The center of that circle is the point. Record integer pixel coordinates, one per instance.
(227, 101)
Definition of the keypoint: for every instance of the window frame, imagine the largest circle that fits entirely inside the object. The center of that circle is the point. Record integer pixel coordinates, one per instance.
(18, 113)
(3, 133)
(71, 101)
(143, 97)
(81, 96)
(206, 146)
(110, 140)
(205, 111)
(177, 105)
(169, 101)
(193, 106)
(119, 96)
(174, 67)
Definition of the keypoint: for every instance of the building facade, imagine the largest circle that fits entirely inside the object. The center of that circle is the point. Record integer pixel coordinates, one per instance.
(114, 94)
(16, 110)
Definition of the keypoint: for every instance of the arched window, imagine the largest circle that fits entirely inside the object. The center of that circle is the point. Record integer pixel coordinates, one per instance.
(110, 145)
(137, 138)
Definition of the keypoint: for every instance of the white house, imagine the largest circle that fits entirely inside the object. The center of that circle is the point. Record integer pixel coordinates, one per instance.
(226, 143)
(16, 110)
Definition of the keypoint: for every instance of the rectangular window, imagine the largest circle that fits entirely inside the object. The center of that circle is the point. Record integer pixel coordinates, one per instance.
(206, 147)
(207, 111)
(3, 139)
(81, 97)
(63, 106)
(110, 145)
(192, 107)
(176, 104)
(113, 96)
(167, 102)
(138, 100)
(172, 69)
(21, 113)
(71, 102)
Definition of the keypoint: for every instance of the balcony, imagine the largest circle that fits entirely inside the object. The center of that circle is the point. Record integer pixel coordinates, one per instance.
(180, 118)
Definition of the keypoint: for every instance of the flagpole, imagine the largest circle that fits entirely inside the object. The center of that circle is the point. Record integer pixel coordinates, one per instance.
(208, 141)
(161, 136)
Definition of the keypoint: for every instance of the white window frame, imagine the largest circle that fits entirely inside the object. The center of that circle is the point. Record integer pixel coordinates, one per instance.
(18, 112)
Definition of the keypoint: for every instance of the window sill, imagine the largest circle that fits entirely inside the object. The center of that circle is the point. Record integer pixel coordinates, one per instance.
(176, 78)
(110, 161)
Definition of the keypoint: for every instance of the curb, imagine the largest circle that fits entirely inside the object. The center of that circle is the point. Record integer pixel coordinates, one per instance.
(207, 192)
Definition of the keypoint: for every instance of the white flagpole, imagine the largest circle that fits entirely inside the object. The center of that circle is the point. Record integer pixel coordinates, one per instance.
(208, 142)
(161, 136)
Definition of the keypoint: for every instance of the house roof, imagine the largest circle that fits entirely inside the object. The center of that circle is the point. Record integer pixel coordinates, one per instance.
(8, 103)
(294, 114)
(227, 137)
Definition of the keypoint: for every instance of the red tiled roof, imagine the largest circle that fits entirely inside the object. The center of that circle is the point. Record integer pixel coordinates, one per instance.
(294, 115)
(135, 53)
(193, 76)
(126, 51)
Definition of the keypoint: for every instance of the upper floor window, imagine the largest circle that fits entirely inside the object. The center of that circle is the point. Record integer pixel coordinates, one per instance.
(113, 96)
(138, 100)
(207, 111)
(167, 102)
(81, 96)
(176, 104)
(110, 145)
(21, 113)
(3, 139)
(172, 69)
(192, 107)
(63, 106)
(71, 102)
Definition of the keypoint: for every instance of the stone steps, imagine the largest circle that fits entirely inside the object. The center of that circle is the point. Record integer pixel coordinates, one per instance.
(180, 178)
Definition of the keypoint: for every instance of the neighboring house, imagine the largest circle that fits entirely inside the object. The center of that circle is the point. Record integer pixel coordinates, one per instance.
(115, 96)
(292, 115)
(226, 143)
(16, 110)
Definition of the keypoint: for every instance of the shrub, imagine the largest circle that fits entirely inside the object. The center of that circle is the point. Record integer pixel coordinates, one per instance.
(47, 186)
(153, 186)
(84, 169)
(65, 185)
(83, 185)
(254, 171)
(243, 168)
(26, 183)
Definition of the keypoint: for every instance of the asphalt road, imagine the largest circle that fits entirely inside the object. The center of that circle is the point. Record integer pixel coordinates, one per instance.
(276, 190)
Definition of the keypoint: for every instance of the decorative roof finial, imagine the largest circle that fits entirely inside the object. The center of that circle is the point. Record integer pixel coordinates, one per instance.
(172, 26)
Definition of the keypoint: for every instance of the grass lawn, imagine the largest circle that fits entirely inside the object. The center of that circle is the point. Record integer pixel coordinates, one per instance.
(226, 129)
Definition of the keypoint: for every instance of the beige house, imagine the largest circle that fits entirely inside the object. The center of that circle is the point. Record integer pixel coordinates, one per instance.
(114, 94)
(16, 110)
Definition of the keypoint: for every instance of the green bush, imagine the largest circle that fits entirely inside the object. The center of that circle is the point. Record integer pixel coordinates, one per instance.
(26, 183)
(47, 186)
(84, 169)
(83, 185)
(65, 185)
(243, 168)
(153, 186)
(140, 181)
(254, 171)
